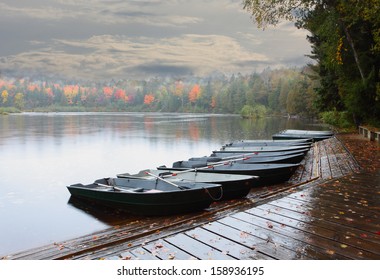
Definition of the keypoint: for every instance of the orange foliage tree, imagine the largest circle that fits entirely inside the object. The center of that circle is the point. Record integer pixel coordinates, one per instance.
(194, 93)
(120, 94)
(108, 91)
(33, 87)
(148, 99)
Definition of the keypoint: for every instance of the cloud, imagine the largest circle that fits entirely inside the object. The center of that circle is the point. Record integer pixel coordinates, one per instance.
(119, 56)
(105, 39)
(105, 12)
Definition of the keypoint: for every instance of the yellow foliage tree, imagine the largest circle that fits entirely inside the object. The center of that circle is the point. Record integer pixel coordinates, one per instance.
(4, 96)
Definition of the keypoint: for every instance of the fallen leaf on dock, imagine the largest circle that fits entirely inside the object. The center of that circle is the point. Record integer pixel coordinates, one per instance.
(330, 252)
(171, 256)
(243, 234)
(158, 245)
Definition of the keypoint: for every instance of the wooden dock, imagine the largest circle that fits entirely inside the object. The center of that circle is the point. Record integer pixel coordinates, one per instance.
(329, 210)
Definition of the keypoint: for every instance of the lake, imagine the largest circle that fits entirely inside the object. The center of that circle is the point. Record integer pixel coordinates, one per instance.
(40, 154)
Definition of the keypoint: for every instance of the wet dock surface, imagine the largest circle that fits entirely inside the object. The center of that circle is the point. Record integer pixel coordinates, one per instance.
(329, 210)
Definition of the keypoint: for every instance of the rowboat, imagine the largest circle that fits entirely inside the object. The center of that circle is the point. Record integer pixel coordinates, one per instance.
(293, 142)
(292, 158)
(252, 149)
(316, 135)
(149, 197)
(233, 185)
(257, 153)
(267, 173)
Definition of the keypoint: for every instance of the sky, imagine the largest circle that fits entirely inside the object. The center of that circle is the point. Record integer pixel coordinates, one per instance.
(123, 39)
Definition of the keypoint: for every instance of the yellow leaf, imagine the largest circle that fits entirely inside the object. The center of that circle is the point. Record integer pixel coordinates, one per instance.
(330, 252)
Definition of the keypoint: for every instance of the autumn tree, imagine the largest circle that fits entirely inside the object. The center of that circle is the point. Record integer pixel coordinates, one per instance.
(70, 92)
(345, 39)
(149, 99)
(194, 93)
(178, 91)
(4, 96)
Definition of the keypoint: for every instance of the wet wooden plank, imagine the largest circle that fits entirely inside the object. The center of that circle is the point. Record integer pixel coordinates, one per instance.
(320, 237)
(166, 251)
(339, 190)
(324, 211)
(196, 248)
(340, 233)
(265, 230)
(296, 239)
(142, 254)
(351, 208)
(361, 207)
(258, 241)
(354, 237)
(226, 245)
(304, 172)
(335, 166)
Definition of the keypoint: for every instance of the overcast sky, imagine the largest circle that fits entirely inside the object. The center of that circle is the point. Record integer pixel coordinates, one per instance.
(105, 39)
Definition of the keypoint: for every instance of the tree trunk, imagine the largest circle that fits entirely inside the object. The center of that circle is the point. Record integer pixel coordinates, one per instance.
(356, 57)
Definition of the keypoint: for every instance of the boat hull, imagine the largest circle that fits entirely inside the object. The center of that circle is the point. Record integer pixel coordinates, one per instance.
(233, 185)
(152, 203)
(293, 158)
(302, 134)
(252, 149)
(224, 154)
(255, 143)
(268, 173)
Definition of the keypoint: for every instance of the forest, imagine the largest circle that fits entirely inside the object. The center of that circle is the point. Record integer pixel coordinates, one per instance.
(285, 91)
(345, 41)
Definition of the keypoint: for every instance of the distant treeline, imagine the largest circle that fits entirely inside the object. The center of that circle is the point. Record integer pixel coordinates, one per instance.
(285, 91)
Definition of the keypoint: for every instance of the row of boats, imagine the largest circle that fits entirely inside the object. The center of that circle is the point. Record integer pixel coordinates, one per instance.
(193, 184)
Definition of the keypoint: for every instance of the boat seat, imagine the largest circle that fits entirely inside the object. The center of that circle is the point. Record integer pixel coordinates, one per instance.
(121, 189)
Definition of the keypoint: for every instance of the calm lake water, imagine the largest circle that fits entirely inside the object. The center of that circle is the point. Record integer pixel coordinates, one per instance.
(40, 154)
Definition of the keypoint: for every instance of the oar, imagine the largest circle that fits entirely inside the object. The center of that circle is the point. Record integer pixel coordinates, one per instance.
(162, 179)
(211, 166)
(102, 185)
(239, 157)
(116, 188)
(225, 162)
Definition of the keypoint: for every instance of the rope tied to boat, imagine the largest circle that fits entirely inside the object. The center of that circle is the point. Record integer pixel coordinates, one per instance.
(211, 196)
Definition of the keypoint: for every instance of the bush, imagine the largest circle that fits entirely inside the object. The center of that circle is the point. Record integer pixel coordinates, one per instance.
(257, 111)
(338, 119)
(8, 110)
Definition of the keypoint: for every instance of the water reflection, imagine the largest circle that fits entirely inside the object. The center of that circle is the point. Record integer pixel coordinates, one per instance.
(106, 215)
(43, 153)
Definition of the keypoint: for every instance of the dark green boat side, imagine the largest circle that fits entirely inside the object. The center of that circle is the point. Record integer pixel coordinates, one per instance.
(149, 198)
